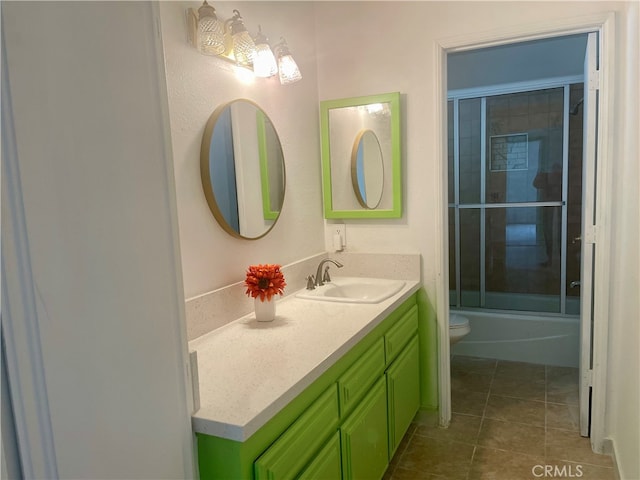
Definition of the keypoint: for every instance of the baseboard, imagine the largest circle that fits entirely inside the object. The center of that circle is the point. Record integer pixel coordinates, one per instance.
(609, 447)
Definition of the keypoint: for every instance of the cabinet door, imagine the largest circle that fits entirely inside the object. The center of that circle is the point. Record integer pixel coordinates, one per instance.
(403, 393)
(326, 465)
(296, 447)
(365, 437)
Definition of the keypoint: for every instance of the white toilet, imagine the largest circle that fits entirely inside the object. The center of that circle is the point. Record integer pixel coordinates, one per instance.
(458, 328)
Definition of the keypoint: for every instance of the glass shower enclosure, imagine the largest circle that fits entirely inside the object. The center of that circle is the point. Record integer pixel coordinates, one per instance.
(515, 194)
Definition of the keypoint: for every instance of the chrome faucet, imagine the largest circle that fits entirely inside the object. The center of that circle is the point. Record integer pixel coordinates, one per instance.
(319, 279)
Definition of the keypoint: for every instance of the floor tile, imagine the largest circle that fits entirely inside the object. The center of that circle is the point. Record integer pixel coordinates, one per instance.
(438, 457)
(462, 428)
(470, 382)
(571, 447)
(563, 385)
(508, 418)
(404, 474)
(514, 437)
(560, 392)
(519, 388)
(388, 474)
(515, 410)
(473, 365)
(562, 416)
(492, 464)
(520, 370)
(470, 403)
(403, 444)
(562, 374)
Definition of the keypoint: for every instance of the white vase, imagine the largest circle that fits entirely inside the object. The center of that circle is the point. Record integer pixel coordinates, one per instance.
(265, 311)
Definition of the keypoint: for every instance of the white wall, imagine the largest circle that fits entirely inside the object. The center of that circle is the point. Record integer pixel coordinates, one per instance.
(394, 51)
(197, 84)
(102, 238)
(624, 311)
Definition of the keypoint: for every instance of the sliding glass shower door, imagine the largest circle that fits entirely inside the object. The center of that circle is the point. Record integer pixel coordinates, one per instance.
(515, 166)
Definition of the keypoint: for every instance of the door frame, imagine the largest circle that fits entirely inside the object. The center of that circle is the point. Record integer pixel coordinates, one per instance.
(604, 24)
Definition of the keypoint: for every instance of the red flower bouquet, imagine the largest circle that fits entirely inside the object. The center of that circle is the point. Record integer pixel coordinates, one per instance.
(264, 281)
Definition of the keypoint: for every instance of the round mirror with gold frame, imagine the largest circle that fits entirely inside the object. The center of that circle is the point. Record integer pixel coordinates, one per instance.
(242, 169)
(367, 169)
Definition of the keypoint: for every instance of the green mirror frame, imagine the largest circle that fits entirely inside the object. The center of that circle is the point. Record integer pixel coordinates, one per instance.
(390, 205)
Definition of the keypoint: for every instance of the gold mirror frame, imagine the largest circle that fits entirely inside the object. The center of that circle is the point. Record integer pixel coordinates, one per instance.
(371, 165)
(265, 167)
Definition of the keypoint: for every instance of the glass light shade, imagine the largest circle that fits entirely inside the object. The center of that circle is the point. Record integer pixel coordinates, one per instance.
(210, 31)
(244, 50)
(264, 63)
(289, 71)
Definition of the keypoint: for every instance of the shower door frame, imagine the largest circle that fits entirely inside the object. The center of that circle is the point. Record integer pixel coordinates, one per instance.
(604, 25)
(483, 93)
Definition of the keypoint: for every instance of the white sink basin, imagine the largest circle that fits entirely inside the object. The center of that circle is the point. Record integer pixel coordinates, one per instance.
(354, 290)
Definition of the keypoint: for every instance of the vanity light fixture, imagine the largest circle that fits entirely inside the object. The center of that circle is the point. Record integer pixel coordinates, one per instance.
(244, 49)
(210, 39)
(264, 64)
(231, 41)
(287, 66)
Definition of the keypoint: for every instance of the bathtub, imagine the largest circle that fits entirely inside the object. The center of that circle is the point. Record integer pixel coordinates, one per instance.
(542, 339)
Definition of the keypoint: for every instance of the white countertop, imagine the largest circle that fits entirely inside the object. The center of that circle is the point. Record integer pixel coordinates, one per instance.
(248, 370)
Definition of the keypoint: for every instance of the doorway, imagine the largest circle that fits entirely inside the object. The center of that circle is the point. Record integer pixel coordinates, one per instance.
(594, 377)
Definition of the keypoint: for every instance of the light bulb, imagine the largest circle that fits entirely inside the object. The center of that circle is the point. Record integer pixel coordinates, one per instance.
(264, 63)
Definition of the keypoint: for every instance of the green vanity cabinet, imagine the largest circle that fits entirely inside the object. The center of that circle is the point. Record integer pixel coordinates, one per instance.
(365, 437)
(403, 393)
(346, 425)
(296, 447)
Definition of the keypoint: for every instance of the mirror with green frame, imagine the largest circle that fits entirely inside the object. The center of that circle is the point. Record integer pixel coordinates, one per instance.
(361, 157)
(242, 169)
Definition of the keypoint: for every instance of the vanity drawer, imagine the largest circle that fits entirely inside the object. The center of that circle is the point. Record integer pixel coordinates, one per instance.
(355, 382)
(398, 335)
(327, 464)
(288, 455)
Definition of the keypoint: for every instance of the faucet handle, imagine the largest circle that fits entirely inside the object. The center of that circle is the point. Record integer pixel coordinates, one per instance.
(310, 282)
(326, 277)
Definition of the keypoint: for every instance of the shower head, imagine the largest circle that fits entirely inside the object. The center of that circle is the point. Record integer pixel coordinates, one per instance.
(574, 109)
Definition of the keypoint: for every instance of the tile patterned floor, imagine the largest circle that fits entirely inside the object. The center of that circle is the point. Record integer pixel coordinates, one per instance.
(511, 421)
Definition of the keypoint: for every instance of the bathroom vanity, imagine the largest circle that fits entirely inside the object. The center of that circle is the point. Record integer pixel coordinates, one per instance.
(326, 390)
